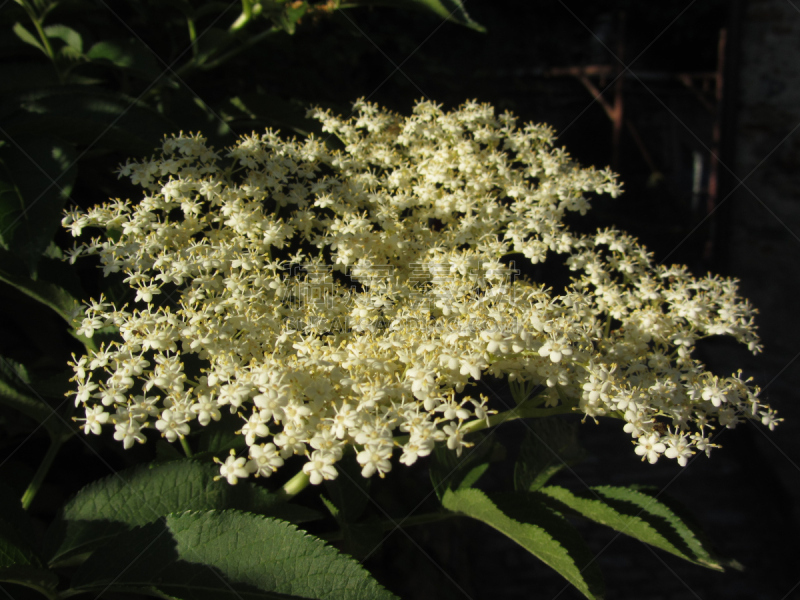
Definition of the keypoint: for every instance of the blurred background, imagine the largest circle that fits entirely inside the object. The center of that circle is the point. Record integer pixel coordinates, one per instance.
(695, 103)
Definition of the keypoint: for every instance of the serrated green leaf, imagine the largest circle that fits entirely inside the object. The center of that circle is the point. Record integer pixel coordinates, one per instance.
(550, 445)
(449, 471)
(639, 515)
(39, 172)
(227, 555)
(534, 526)
(27, 37)
(144, 494)
(473, 475)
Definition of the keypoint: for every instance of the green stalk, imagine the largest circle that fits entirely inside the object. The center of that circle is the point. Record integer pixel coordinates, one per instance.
(294, 486)
(187, 69)
(37, 23)
(519, 412)
(186, 449)
(41, 472)
(192, 35)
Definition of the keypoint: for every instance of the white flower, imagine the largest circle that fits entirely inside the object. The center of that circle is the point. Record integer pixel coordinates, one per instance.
(172, 425)
(264, 460)
(678, 448)
(650, 448)
(337, 298)
(320, 467)
(233, 469)
(375, 459)
(95, 418)
(128, 432)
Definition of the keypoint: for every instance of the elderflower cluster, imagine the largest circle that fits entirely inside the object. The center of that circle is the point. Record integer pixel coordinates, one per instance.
(335, 298)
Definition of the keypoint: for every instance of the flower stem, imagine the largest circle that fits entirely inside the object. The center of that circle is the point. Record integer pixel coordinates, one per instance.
(522, 411)
(41, 472)
(186, 449)
(294, 486)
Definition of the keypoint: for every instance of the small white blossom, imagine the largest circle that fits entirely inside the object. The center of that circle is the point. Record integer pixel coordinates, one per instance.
(337, 298)
(233, 469)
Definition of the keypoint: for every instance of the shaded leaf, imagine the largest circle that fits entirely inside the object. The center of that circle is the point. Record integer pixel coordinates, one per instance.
(450, 471)
(68, 35)
(27, 37)
(227, 555)
(32, 577)
(18, 560)
(349, 497)
(85, 116)
(144, 494)
(534, 526)
(42, 289)
(290, 16)
(38, 173)
(15, 533)
(126, 54)
(349, 492)
(16, 393)
(550, 445)
(639, 515)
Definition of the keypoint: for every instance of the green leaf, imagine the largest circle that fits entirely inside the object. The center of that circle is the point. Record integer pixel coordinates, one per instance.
(290, 16)
(43, 289)
(12, 512)
(144, 494)
(227, 555)
(126, 54)
(12, 551)
(536, 527)
(71, 38)
(27, 37)
(19, 563)
(639, 515)
(16, 391)
(350, 491)
(99, 119)
(349, 497)
(550, 445)
(38, 173)
(33, 577)
(15, 533)
(450, 471)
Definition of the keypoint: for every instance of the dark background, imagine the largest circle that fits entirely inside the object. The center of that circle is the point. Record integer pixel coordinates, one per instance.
(745, 496)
